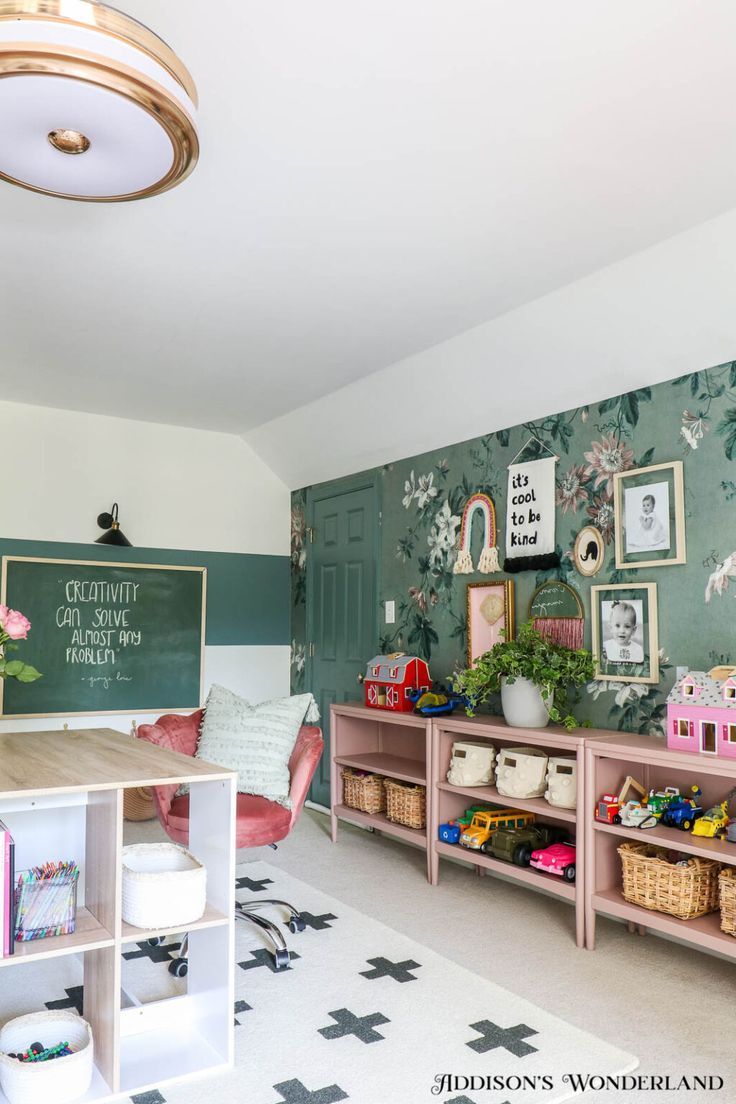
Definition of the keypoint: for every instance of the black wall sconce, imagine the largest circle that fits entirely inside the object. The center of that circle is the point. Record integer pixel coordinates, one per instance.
(114, 534)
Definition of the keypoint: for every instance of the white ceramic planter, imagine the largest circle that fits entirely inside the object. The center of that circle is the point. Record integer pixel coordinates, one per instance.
(523, 704)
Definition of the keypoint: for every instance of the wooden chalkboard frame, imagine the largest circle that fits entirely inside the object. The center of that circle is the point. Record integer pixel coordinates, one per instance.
(104, 563)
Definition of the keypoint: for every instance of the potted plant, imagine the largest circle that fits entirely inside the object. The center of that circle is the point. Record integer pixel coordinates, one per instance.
(534, 676)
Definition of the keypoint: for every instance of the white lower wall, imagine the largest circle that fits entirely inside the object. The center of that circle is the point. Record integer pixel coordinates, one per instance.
(256, 673)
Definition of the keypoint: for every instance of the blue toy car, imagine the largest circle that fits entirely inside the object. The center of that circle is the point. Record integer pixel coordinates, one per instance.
(449, 833)
(682, 814)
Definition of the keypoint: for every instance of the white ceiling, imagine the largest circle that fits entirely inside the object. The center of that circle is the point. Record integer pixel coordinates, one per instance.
(375, 178)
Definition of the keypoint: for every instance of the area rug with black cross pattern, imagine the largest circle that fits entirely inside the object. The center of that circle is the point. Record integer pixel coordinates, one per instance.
(362, 1014)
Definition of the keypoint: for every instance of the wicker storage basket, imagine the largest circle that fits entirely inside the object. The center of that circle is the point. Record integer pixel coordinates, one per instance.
(727, 890)
(653, 883)
(60, 1080)
(406, 804)
(363, 791)
(138, 803)
(163, 886)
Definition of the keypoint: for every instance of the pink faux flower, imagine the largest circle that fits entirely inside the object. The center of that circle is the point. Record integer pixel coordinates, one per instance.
(605, 459)
(14, 623)
(602, 516)
(571, 492)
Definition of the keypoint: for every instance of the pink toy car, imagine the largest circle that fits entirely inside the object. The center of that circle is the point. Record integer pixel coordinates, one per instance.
(558, 859)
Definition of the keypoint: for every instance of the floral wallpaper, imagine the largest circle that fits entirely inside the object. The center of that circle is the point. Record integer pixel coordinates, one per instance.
(692, 418)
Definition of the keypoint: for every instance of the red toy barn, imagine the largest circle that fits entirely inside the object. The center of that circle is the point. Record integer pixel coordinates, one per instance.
(390, 679)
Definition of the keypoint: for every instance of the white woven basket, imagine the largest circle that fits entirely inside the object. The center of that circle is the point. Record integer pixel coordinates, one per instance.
(58, 1080)
(163, 886)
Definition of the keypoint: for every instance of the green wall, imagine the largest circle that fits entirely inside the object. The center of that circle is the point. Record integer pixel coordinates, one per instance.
(692, 418)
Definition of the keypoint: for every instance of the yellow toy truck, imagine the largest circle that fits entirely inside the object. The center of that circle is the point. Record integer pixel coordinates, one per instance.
(478, 833)
(712, 822)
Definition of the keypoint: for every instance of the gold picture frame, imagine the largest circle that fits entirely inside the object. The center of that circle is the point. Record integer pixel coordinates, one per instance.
(649, 510)
(482, 632)
(620, 634)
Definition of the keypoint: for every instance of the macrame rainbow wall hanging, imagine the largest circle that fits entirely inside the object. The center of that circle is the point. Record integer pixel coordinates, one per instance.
(488, 560)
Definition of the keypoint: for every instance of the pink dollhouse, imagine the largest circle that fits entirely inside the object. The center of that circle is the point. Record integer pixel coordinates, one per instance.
(701, 713)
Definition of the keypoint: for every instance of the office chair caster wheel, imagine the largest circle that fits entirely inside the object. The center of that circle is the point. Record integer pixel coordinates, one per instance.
(282, 959)
(156, 941)
(296, 924)
(179, 967)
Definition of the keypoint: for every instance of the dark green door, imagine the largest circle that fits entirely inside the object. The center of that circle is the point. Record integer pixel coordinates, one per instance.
(342, 612)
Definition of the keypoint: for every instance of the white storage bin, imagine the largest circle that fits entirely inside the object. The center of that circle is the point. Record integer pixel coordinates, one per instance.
(59, 1079)
(164, 886)
(471, 763)
(561, 789)
(521, 772)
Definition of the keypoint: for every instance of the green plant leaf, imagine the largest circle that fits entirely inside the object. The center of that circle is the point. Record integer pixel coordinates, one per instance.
(28, 674)
(14, 668)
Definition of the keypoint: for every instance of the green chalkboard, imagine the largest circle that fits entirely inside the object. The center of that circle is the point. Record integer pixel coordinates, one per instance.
(107, 637)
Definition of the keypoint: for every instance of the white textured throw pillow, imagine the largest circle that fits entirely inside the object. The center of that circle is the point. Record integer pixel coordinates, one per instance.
(255, 740)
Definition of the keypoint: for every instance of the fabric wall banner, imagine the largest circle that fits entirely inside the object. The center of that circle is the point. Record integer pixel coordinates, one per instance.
(530, 516)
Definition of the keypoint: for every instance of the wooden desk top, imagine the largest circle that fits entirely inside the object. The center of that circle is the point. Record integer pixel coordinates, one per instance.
(91, 759)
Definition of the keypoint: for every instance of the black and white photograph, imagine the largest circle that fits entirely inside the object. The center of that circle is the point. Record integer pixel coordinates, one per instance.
(622, 631)
(625, 632)
(647, 515)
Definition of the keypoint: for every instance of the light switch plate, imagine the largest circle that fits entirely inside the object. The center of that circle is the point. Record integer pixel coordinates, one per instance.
(390, 611)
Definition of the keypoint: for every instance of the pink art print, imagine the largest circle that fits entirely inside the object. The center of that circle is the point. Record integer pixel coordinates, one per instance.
(490, 616)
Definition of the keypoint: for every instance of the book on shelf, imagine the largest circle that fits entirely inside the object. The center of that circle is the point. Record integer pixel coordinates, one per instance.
(7, 890)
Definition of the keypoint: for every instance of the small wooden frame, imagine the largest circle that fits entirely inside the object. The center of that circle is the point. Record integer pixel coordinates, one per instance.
(649, 507)
(589, 551)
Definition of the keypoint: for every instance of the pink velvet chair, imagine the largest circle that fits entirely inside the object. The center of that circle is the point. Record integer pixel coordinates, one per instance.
(258, 821)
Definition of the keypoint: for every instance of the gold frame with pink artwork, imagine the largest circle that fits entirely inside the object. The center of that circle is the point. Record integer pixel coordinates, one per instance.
(485, 600)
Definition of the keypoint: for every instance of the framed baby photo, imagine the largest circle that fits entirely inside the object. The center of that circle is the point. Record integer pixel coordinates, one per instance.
(490, 616)
(625, 635)
(649, 505)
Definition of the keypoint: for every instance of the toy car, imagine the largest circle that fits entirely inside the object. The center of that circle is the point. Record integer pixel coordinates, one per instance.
(484, 824)
(558, 859)
(662, 799)
(607, 809)
(465, 818)
(515, 845)
(712, 822)
(683, 813)
(435, 703)
(635, 815)
(450, 832)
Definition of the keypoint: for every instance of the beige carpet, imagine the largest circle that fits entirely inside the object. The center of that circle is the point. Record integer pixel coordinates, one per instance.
(645, 995)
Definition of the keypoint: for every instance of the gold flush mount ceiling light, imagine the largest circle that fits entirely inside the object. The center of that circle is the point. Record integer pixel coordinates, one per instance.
(93, 105)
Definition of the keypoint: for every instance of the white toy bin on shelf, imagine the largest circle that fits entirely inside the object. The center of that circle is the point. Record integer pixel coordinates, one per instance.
(521, 772)
(59, 1079)
(561, 789)
(471, 763)
(163, 886)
